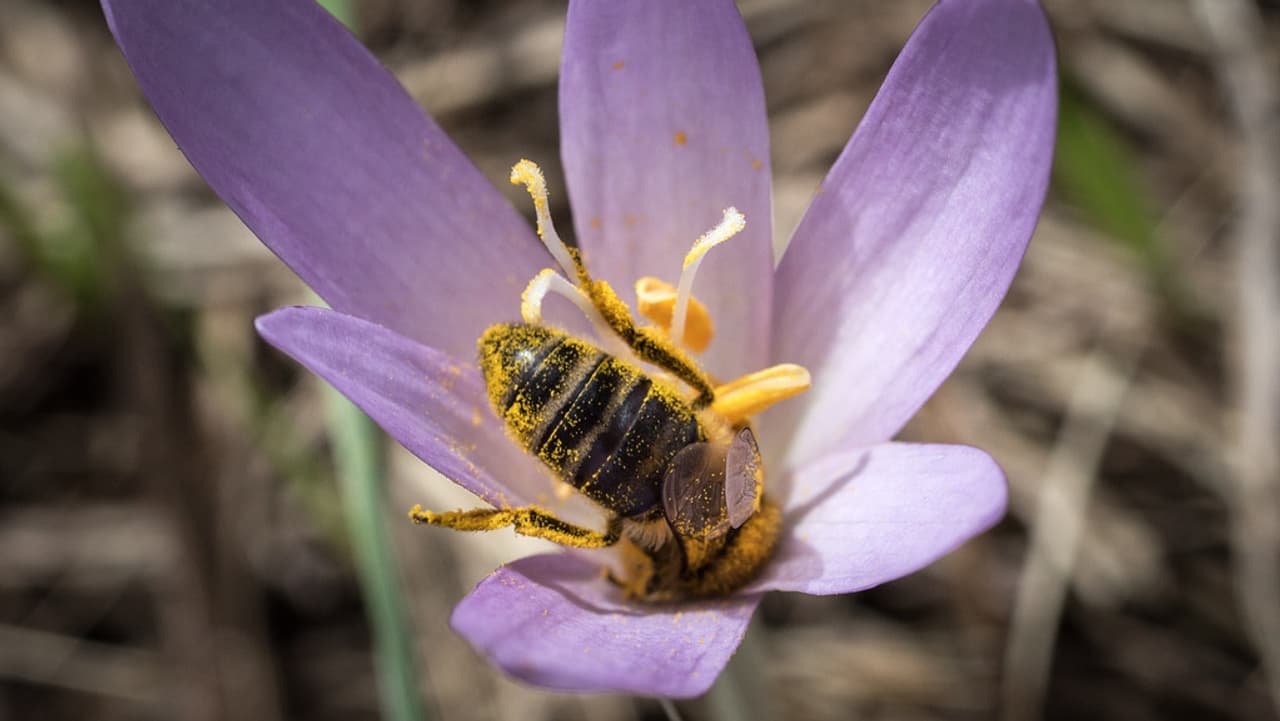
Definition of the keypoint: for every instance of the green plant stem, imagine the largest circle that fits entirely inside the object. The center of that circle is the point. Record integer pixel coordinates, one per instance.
(343, 10)
(356, 447)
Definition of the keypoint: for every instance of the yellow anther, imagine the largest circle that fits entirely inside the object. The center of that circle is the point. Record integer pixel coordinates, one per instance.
(746, 396)
(729, 226)
(656, 300)
(528, 174)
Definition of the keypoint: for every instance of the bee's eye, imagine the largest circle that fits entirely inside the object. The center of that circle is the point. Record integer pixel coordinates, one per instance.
(693, 492)
(743, 478)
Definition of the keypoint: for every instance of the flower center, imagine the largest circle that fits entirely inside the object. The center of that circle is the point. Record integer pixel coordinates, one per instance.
(679, 474)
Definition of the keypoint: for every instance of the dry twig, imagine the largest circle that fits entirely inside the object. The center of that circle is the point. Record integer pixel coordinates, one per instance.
(1234, 27)
(1057, 526)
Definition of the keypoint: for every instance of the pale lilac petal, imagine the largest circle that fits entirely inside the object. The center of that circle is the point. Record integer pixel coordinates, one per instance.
(856, 519)
(915, 235)
(662, 127)
(434, 405)
(323, 155)
(554, 621)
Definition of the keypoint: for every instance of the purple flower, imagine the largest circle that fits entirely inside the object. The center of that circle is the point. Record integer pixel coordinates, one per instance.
(900, 261)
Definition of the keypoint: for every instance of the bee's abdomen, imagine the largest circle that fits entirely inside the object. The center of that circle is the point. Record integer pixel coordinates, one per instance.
(533, 374)
(597, 421)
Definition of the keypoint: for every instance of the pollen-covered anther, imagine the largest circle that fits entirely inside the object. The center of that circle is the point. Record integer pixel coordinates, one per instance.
(746, 396)
(656, 300)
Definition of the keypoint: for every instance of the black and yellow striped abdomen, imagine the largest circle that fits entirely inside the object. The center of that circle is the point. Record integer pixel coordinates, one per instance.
(599, 423)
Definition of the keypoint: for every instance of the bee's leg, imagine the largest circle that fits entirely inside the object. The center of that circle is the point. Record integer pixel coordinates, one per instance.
(649, 344)
(662, 347)
(636, 573)
(527, 520)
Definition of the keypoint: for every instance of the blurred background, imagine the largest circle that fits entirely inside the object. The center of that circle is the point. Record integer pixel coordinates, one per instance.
(193, 528)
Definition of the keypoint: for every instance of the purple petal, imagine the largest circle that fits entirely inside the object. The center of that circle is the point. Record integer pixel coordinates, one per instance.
(915, 235)
(662, 127)
(432, 404)
(323, 155)
(857, 519)
(554, 621)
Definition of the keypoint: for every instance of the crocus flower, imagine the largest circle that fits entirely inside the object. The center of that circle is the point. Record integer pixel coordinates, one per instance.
(903, 256)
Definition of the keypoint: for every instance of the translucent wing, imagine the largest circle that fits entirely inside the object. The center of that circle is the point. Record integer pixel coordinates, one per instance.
(693, 492)
(743, 478)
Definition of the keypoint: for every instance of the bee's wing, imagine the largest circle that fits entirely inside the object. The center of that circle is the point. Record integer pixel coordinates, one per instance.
(743, 478)
(693, 492)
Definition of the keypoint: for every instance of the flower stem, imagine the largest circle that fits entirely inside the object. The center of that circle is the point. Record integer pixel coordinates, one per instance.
(343, 10)
(356, 453)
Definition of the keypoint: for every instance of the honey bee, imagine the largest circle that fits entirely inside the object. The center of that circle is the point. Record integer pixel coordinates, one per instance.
(678, 473)
(681, 481)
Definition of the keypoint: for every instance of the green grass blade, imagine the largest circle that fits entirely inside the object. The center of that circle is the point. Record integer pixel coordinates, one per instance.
(357, 446)
(343, 10)
(1095, 170)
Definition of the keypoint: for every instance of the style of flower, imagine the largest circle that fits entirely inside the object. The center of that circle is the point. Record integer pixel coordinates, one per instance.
(899, 262)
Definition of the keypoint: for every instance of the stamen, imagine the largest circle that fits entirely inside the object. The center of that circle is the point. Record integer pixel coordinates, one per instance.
(527, 173)
(754, 392)
(731, 225)
(549, 281)
(656, 299)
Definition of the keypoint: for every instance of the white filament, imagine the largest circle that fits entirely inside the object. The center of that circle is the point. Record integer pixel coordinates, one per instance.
(549, 281)
(732, 224)
(528, 174)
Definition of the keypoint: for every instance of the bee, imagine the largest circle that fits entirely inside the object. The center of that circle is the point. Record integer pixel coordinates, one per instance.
(682, 483)
(677, 471)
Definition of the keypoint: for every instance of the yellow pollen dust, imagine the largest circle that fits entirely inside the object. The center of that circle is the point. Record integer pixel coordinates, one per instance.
(744, 555)
(656, 301)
